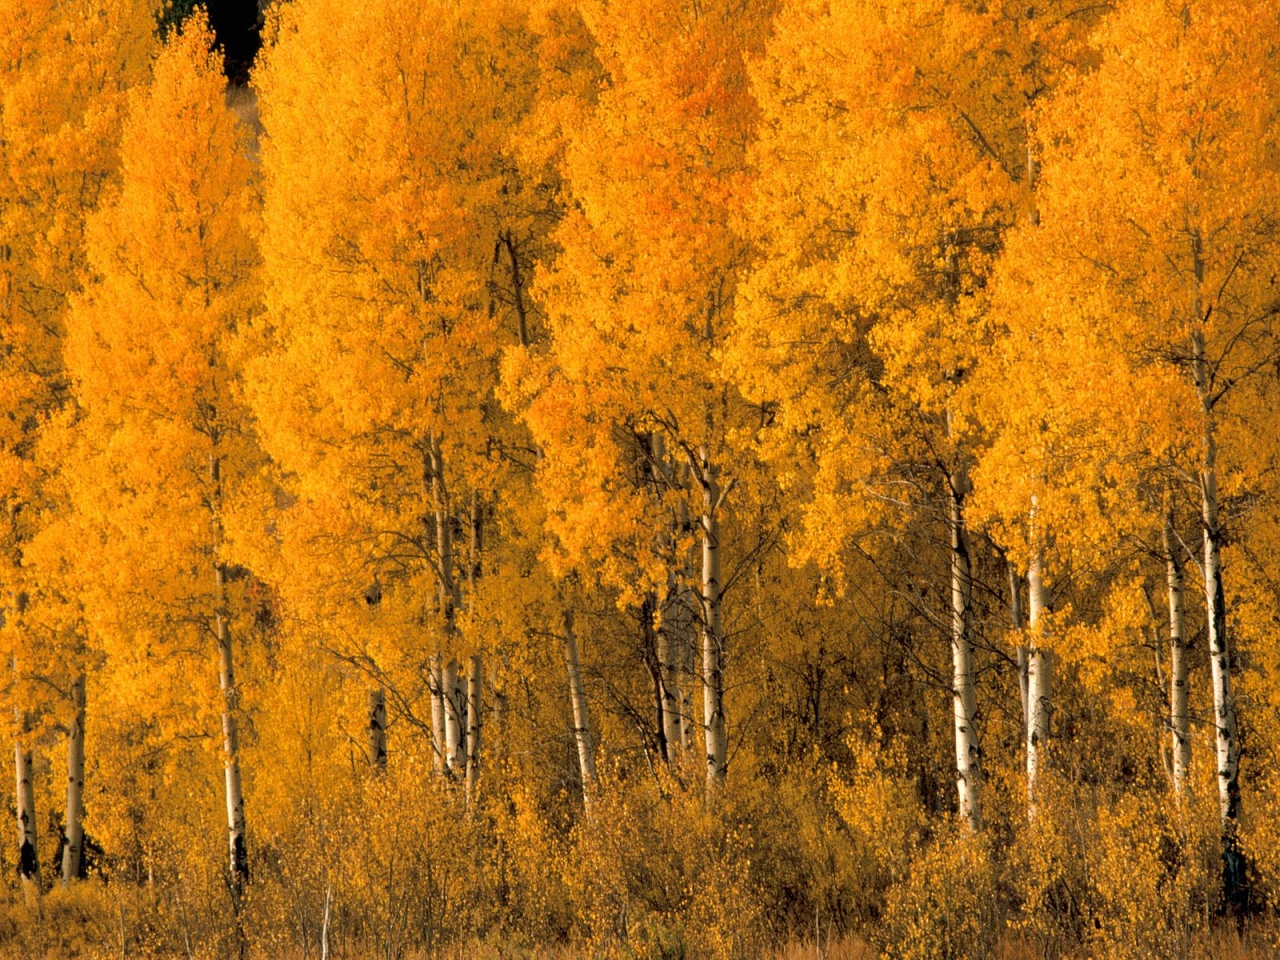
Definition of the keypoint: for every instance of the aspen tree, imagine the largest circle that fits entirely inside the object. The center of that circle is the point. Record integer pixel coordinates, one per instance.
(581, 718)
(392, 202)
(153, 345)
(475, 708)
(890, 168)
(1181, 256)
(1179, 717)
(73, 839)
(25, 804)
(638, 302)
(1039, 663)
(64, 72)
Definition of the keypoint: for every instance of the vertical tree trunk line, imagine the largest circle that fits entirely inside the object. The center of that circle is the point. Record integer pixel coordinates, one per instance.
(964, 693)
(238, 850)
(1015, 619)
(1179, 719)
(448, 709)
(669, 667)
(1039, 666)
(688, 601)
(73, 840)
(455, 718)
(1224, 707)
(713, 718)
(25, 801)
(439, 738)
(378, 730)
(475, 692)
(231, 745)
(581, 720)
(651, 649)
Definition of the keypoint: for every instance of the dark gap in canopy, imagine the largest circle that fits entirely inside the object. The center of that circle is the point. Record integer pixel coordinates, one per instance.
(237, 24)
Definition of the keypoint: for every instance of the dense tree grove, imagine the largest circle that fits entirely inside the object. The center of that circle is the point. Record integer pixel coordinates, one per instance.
(641, 478)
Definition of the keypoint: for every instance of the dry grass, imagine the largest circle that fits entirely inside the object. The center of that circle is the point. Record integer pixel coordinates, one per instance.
(1221, 944)
(848, 948)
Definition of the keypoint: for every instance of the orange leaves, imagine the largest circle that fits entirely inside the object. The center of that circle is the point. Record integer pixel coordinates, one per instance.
(163, 450)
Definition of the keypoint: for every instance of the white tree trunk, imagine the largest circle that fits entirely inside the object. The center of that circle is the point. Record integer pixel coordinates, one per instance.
(239, 855)
(963, 692)
(1179, 718)
(581, 720)
(475, 691)
(25, 804)
(378, 730)
(713, 719)
(73, 845)
(1224, 706)
(1039, 671)
(439, 733)
(455, 718)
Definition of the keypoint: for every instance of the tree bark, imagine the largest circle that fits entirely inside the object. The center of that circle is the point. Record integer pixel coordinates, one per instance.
(238, 851)
(1015, 618)
(475, 681)
(713, 718)
(1224, 706)
(964, 693)
(455, 718)
(651, 643)
(439, 733)
(1227, 746)
(1039, 671)
(73, 841)
(1179, 718)
(239, 855)
(378, 730)
(25, 802)
(581, 720)
(446, 581)
(669, 667)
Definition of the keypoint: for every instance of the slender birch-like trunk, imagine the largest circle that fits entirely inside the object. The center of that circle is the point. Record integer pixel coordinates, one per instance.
(686, 651)
(963, 692)
(73, 840)
(581, 720)
(713, 719)
(453, 690)
(669, 667)
(378, 730)
(439, 733)
(25, 803)
(1039, 671)
(1224, 706)
(238, 851)
(1179, 718)
(651, 643)
(475, 690)
(239, 855)
(454, 718)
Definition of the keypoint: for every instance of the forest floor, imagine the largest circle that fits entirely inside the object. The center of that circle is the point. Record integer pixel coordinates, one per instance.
(1218, 946)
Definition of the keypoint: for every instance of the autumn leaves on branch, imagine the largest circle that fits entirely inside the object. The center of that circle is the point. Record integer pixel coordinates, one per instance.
(517, 310)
